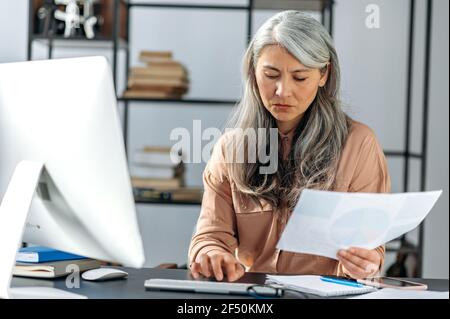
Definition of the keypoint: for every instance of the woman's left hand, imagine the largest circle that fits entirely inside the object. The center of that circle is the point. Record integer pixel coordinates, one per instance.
(359, 262)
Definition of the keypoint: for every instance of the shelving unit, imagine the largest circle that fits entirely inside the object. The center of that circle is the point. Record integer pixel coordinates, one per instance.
(115, 43)
(326, 8)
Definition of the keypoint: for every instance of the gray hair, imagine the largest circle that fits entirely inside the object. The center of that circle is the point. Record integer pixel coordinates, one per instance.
(320, 137)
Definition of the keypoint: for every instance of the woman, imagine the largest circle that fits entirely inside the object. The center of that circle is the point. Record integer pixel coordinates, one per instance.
(291, 74)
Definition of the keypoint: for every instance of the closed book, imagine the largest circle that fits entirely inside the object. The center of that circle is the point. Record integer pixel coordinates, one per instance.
(168, 90)
(39, 254)
(157, 54)
(157, 149)
(157, 158)
(157, 82)
(149, 56)
(164, 64)
(54, 269)
(145, 84)
(164, 72)
(154, 59)
(163, 76)
(157, 183)
(152, 172)
(150, 94)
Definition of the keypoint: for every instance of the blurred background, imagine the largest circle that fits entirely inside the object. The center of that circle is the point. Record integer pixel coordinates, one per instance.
(179, 61)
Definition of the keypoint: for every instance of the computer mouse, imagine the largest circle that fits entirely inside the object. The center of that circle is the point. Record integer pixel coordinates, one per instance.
(104, 273)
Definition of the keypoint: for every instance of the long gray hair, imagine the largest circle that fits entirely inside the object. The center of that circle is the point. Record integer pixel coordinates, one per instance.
(319, 138)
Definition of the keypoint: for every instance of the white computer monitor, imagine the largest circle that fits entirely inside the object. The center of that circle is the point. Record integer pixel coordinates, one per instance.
(63, 114)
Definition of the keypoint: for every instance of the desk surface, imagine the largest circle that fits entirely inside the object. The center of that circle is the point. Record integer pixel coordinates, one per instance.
(133, 287)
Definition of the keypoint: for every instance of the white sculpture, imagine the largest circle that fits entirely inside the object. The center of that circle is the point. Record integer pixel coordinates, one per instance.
(72, 17)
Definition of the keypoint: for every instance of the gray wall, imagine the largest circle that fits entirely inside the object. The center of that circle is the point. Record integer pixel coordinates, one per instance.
(436, 225)
(211, 44)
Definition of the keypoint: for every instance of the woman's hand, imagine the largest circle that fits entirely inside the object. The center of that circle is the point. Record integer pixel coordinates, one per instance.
(217, 264)
(359, 262)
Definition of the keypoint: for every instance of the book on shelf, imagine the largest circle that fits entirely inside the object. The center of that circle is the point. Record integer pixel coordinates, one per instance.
(166, 65)
(152, 83)
(158, 71)
(157, 167)
(161, 78)
(193, 195)
(55, 268)
(157, 183)
(157, 157)
(166, 89)
(145, 94)
(39, 254)
(157, 149)
(145, 171)
(149, 56)
(156, 53)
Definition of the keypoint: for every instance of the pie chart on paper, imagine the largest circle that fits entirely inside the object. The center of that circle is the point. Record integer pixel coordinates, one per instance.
(359, 228)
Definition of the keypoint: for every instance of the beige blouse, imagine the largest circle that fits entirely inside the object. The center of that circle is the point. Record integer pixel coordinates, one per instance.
(230, 221)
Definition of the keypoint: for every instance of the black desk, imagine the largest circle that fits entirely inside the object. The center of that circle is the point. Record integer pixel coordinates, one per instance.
(133, 287)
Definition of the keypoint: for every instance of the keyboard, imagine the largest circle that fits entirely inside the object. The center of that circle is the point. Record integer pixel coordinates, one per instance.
(212, 287)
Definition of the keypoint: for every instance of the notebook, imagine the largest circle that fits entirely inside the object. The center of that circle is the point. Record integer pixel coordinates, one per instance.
(53, 269)
(314, 285)
(39, 254)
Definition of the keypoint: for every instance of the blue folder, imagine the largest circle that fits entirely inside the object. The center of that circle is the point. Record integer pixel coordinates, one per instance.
(40, 254)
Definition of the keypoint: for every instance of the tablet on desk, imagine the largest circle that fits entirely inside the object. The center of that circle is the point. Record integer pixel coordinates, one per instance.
(212, 287)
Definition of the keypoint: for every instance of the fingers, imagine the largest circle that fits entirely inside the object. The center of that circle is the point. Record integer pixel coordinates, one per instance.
(356, 264)
(230, 267)
(196, 269)
(217, 265)
(372, 259)
(354, 259)
(364, 253)
(240, 271)
(233, 268)
(202, 267)
(352, 269)
(205, 265)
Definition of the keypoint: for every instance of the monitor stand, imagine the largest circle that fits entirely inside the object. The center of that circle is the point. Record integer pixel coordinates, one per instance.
(13, 215)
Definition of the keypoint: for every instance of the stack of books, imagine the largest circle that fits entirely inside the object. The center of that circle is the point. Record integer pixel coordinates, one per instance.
(162, 77)
(159, 168)
(45, 262)
(157, 174)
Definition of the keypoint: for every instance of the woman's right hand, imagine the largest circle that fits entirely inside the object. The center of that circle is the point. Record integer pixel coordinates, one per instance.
(217, 264)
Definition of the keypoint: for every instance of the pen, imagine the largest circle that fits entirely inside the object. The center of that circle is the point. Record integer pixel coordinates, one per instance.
(342, 282)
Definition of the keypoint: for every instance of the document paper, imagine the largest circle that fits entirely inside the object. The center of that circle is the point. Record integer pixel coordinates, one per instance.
(324, 222)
